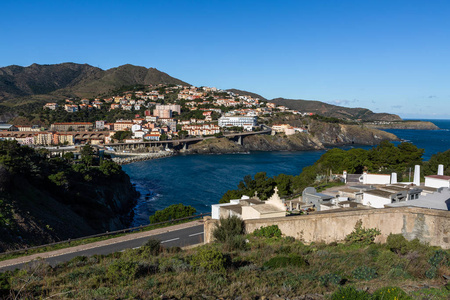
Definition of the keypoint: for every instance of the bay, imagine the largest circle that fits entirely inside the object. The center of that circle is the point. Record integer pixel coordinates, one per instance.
(201, 180)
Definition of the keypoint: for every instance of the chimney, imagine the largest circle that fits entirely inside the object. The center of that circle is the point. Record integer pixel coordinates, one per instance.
(416, 175)
(440, 170)
(393, 178)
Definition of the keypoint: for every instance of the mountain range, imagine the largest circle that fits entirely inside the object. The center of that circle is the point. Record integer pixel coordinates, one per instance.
(36, 84)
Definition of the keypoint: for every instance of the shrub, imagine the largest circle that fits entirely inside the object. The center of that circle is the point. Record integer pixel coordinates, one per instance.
(397, 243)
(173, 212)
(237, 242)
(271, 231)
(152, 247)
(349, 292)
(208, 258)
(362, 235)
(286, 261)
(330, 278)
(364, 273)
(121, 270)
(173, 265)
(437, 257)
(228, 228)
(230, 231)
(390, 293)
(4, 284)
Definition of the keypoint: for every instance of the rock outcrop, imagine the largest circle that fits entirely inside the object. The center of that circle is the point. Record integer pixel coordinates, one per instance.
(419, 125)
(320, 136)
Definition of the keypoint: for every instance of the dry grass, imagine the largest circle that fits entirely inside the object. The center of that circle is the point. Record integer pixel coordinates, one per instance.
(145, 276)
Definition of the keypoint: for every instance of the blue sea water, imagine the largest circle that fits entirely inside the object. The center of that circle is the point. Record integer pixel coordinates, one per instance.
(433, 141)
(201, 180)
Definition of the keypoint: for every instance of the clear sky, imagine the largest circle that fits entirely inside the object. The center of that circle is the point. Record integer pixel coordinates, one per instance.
(388, 56)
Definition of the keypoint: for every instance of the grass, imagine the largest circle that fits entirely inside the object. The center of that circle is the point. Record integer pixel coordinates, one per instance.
(248, 273)
(24, 252)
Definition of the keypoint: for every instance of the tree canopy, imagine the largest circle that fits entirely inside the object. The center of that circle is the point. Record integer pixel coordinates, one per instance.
(384, 158)
(173, 212)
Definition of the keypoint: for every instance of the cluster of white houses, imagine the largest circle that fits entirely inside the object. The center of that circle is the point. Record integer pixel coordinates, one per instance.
(368, 191)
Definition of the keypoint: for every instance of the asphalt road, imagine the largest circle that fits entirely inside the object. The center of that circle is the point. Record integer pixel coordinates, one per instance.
(177, 238)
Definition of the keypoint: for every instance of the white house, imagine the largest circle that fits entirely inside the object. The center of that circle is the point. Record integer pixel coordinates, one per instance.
(437, 181)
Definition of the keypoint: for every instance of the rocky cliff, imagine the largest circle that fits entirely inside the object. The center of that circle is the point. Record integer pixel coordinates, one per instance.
(320, 136)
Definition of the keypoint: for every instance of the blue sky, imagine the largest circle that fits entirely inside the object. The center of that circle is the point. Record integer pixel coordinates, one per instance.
(388, 56)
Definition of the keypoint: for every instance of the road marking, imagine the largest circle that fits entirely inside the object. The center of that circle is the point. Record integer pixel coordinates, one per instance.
(170, 240)
(196, 233)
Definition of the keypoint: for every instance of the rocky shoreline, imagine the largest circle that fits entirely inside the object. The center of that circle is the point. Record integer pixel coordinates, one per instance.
(135, 157)
(319, 137)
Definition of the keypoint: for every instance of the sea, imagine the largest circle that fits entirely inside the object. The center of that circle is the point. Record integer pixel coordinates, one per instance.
(201, 180)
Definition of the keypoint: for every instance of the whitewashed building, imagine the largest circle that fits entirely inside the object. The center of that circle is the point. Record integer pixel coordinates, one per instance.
(247, 122)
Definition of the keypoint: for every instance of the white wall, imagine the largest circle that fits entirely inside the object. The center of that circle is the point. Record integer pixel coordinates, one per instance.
(436, 183)
(376, 179)
(375, 201)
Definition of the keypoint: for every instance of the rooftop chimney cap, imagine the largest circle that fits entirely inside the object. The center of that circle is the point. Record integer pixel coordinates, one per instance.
(440, 170)
(416, 175)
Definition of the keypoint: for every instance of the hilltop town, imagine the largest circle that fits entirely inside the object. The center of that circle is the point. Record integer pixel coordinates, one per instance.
(155, 113)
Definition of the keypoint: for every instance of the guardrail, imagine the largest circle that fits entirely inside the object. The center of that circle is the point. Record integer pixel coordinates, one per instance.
(138, 228)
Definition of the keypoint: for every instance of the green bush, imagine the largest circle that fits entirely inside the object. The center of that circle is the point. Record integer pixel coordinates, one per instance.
(361, 235)
(364, 273)
(173, 212)
(390, 293)
(285, 261)
(397, 243)
(121, 270)
(152, 247)
(437, 257)
(330, 278)
(230, 231)
(349, 293)
(271, 231)
(228, 228)
(173, 265)
(208, 258)
(4, 284)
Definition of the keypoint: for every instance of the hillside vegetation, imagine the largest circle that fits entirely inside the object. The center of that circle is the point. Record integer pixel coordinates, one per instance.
(49, 199)
(263, 264)
(329, 110)
(42, 83)
(384, 159)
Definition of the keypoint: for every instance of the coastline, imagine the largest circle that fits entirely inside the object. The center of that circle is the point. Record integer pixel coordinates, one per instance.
(136, 157)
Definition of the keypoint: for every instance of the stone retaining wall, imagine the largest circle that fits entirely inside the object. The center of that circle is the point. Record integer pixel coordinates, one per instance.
(429, 226)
